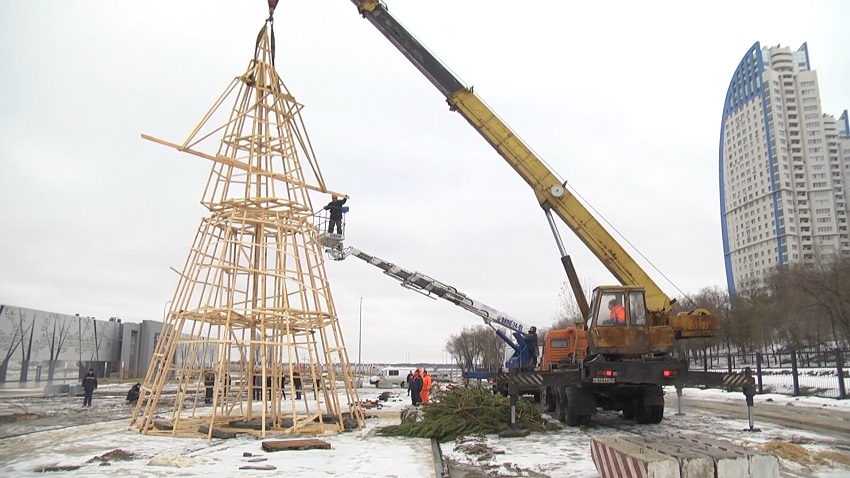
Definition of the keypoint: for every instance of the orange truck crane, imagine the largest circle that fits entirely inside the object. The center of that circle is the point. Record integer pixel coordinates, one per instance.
(624, 352)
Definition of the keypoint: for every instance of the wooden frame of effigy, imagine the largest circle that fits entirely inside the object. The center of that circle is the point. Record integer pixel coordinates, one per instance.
(252, 339)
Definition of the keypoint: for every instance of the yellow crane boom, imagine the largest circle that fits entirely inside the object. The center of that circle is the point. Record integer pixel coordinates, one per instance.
(551, 193)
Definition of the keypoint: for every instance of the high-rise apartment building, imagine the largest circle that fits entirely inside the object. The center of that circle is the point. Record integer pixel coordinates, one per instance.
(784, 168)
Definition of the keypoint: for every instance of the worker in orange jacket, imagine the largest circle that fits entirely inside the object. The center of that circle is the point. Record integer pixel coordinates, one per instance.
(618, 313)
(426, 386)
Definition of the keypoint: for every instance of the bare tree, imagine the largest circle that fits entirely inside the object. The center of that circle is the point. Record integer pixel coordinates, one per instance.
(795, 319)
(56, 331)
(460, 347)
(10, 343)
(476, 347)
(568, 313)
(492, 348)
(749, 322)
(826, 283)
(85, 342)
(26, 339)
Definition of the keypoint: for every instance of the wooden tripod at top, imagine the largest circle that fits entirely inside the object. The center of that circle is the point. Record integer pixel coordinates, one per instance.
(252, 338)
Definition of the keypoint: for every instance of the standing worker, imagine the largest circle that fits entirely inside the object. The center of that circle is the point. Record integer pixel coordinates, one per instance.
(296, 380)
(209, 383)
(416, 388)
(335, 208)
(408, 380)
(531, 344)
(89, 386)
(258, 384)
(426, 386)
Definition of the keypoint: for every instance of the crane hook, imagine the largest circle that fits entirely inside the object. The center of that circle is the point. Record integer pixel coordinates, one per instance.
(272, 5)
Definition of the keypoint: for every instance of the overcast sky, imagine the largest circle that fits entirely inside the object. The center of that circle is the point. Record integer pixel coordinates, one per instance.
(621, 99)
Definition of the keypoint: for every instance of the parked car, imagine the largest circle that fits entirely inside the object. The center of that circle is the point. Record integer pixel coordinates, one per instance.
(388, 377)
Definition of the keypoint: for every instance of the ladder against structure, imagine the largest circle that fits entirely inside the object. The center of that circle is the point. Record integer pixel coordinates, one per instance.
(252, 339)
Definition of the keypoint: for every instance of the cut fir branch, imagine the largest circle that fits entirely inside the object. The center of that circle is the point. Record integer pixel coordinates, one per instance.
(461, 411)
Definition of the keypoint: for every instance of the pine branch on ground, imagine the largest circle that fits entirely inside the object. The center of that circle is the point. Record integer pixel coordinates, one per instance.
(458, 411)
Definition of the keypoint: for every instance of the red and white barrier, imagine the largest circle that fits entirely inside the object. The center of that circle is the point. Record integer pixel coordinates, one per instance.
(617, 458)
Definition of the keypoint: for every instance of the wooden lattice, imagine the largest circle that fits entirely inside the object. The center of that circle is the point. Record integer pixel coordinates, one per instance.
(253, 312)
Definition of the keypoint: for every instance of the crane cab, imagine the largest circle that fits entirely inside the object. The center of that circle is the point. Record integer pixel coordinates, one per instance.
(620, 324)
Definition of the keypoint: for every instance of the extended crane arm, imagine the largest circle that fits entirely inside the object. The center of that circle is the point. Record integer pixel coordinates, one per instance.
(433, 288)
(550, 191)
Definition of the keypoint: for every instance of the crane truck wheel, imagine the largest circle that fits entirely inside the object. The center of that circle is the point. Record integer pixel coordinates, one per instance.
(548, 399)
(649, 406)
(657, 414)
(560, 400)
(650, 414)
(569, 411)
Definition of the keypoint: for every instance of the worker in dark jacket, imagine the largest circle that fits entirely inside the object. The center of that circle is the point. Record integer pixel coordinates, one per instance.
(408, 380)
(531, 343)
(416, 388)
(296, 380)
(135, 391)
(89, 386)
(209, 384)
(335, 208)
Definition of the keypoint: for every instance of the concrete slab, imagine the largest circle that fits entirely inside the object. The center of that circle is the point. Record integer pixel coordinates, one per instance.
(692, 464)
(704, 457)
(734, 457)
(617, 457)
(60, 389)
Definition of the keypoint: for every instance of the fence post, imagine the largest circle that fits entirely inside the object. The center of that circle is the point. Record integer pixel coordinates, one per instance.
(839, 365)
(705, 362)
(758, 372)
(729, 361)
(794, 376)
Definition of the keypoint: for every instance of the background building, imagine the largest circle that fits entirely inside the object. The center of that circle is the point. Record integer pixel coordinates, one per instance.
(38, 347)
(784, 168)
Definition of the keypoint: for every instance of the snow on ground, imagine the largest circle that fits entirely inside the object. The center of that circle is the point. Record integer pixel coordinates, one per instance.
(561, 453)
(565, 453)
(767, 399)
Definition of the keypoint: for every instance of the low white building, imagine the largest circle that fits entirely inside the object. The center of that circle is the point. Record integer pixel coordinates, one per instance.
(37, 347)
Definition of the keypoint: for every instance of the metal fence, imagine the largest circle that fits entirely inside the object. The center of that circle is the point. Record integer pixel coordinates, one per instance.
(819, 373)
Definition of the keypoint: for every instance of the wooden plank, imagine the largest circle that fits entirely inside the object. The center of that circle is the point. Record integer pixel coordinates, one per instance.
(299, 444)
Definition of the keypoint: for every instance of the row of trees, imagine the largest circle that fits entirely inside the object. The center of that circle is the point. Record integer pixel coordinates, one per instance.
(802, 306)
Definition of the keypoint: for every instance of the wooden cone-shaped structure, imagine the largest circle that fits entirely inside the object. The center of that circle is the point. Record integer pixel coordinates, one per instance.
(252, 338)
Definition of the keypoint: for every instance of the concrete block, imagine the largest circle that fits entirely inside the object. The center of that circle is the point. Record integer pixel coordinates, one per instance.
(705, 457)
(60, 389)
(732, 466)
(763, 465)
(615, 457)
(76, 390)
(692, 463)
(731, 460)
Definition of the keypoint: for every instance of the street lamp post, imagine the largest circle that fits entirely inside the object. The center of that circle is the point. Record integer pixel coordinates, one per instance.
(360, 336)
(165, 310)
